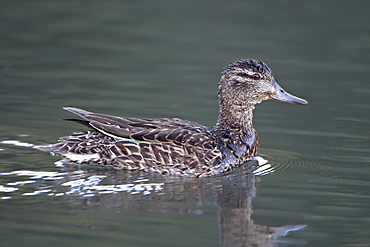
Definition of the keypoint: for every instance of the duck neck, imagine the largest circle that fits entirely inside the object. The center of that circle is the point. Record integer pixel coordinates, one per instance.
(235, 116)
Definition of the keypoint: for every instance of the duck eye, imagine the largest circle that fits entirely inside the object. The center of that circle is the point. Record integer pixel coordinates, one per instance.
(256, 76)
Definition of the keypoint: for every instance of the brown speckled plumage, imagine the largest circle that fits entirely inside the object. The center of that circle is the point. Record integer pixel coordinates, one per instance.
(176, 146)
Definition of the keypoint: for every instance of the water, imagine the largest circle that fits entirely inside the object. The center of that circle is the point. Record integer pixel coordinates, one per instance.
(151, 59)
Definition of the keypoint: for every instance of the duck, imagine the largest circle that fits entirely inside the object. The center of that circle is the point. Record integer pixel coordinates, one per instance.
(173, 146)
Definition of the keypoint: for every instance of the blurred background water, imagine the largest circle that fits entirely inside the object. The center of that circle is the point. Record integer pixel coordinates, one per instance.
(162, 59)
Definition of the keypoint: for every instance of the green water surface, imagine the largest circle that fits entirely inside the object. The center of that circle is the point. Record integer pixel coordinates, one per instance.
(163, 59)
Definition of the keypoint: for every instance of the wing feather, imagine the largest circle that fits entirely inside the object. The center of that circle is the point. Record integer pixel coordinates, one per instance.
(174, 130)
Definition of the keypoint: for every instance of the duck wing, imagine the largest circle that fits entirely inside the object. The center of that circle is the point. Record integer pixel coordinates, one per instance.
(174, 130)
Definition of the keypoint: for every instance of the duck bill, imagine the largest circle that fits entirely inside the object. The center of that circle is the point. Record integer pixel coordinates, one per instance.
(281, 95)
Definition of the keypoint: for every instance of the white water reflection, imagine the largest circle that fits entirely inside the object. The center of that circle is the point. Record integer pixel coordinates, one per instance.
(90, 186)
(17, 143)
(84, 184)
(36, 175)
(79, 182)
(7, 189)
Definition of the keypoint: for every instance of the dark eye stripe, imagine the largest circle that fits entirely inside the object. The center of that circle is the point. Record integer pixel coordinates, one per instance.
(244, 75)
(254, 76)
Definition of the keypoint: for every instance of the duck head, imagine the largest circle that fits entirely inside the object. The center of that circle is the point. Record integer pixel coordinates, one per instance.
(243, 84)
(249, 82)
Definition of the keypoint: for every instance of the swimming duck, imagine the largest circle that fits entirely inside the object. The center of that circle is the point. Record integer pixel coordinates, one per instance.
(176, 146)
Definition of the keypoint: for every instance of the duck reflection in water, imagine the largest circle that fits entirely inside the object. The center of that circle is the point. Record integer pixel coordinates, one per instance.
(232, 193)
